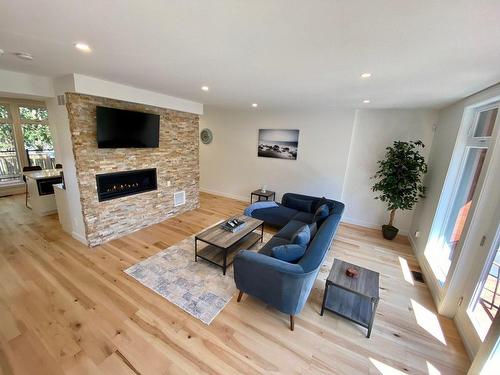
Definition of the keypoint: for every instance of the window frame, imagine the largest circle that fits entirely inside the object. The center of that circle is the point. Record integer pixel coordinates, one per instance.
(17, 128)
(466, 141)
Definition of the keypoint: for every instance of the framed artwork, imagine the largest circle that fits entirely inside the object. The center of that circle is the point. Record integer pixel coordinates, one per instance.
(278, 143)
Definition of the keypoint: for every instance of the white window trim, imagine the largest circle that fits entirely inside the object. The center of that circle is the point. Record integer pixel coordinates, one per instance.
(464, 142)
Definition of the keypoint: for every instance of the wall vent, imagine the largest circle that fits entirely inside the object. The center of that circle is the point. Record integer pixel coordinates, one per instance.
(179, 198)
(61, 100)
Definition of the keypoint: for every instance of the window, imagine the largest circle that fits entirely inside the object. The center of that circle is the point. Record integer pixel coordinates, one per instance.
(484, 305)
(9, 161)
(25, 140)
(36, 136)
(451, 228)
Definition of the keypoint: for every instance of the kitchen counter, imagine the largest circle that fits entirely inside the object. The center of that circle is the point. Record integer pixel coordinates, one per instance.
(41, 197)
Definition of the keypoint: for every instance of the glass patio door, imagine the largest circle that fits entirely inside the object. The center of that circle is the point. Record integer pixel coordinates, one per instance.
(25, 139)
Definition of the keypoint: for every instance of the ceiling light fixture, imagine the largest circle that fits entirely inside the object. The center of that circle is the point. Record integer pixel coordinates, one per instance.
(24, 55)
(366, 75)
(255, 105)
(205, 88)
(366, 101)
(1, 52)
(82, 47)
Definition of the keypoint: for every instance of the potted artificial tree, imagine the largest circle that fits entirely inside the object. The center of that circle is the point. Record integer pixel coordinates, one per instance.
(399, 182)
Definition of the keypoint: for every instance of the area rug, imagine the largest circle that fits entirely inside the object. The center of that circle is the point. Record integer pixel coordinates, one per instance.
(199, 288)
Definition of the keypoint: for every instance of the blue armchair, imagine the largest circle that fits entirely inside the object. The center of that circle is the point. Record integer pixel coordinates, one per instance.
(286, 286)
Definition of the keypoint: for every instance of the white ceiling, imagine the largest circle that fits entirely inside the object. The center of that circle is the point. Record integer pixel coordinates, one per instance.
(278, 53)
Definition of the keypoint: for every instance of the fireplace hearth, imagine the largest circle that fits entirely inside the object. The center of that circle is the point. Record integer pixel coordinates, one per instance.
(120, 184)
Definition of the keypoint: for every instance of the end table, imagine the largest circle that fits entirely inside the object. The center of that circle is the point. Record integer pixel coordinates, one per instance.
(261, 194)
(355, 299)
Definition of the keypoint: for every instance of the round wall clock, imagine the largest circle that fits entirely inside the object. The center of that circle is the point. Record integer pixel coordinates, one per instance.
(206, 136)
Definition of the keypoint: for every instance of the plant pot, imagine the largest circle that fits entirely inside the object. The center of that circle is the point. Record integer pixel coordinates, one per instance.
(389, 232)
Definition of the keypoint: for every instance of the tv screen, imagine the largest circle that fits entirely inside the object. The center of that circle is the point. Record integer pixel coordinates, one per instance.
(119, 128)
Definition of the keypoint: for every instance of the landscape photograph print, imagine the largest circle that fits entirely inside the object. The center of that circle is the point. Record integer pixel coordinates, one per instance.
(278, 143)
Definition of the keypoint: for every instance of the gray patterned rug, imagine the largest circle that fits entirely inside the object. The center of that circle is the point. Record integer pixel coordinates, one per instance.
(198, 288)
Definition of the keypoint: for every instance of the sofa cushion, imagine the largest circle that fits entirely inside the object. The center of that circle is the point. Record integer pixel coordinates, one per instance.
(313, 227)
(304, 217)
(288, 253)
(321, 214)
(299, 204)
(289, 230)
(273, 242)
(275, 216)
(302, 236)
(320, 245)
(318, 204)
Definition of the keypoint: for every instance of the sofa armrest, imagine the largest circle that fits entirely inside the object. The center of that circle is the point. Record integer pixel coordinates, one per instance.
(281, 284)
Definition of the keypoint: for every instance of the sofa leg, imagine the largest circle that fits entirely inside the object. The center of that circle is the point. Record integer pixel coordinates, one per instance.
(239, 296)
(292, 322)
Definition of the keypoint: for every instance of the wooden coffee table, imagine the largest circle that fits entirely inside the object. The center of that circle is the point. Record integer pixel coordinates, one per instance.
(353, 298)
(222, 245)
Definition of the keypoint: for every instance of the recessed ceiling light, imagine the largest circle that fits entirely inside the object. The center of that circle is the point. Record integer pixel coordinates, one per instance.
(24, 55)
(82, 47)
(366, 101)
(1, 52)
(255, 105)
(205, 88)
(366, 75)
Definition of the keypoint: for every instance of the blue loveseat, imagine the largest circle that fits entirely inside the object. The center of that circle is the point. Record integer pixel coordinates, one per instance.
(284, 285)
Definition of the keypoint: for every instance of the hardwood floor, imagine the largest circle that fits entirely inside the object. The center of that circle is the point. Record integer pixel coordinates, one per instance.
(68, 309)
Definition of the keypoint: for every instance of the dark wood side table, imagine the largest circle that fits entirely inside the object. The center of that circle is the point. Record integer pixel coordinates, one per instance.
(353, 298)
(260, 194)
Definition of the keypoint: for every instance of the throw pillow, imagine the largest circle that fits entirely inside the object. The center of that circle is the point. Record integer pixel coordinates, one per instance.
(302, 236)
(321, 214)
(299, 204)
(288, 253)
(318, 204)
(313, 228)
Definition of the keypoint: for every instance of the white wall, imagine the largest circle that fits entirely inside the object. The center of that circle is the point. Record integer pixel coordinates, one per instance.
(113, 90)
(374, 130)
(230, 166)
(28, 86)
(59, 121)
(337, 155)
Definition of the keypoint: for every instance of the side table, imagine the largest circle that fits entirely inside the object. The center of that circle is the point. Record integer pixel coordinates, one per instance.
(355, 299)
(261, 194)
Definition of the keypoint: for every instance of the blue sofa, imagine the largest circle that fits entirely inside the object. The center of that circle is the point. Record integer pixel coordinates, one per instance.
(284, 285)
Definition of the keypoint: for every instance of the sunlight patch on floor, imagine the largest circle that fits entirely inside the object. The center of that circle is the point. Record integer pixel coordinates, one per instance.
(428, 320)
(432, 370)
(406, 270)
(385, 369)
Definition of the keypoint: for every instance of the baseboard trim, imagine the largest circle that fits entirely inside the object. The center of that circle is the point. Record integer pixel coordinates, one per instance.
(79, 237)
(367, 224)
(226, 195)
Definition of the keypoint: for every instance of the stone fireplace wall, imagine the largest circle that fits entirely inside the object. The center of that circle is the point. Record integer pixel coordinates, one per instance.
(176, 160)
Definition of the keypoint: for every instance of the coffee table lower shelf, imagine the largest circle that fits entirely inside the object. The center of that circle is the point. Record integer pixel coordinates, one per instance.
(224, 257)
(354, 307)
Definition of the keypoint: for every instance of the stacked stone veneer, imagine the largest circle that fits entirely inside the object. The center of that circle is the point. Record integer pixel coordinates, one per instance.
(176, 160)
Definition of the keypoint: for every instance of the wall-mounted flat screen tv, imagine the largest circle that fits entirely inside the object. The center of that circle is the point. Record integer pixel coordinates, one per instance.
(119, 128)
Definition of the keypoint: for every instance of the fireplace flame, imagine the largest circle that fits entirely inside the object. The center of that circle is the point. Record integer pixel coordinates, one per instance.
(121, 187)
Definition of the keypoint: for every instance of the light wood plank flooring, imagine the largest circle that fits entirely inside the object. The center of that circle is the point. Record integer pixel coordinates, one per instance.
(68, 309)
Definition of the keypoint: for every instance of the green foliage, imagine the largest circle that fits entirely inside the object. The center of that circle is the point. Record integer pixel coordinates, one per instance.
(37, 137)
(400, 176)
(33, 113)
(6, 138)
(4, 113)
